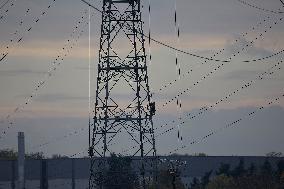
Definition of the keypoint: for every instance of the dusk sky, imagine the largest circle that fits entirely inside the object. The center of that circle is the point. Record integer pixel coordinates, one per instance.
(60, 105)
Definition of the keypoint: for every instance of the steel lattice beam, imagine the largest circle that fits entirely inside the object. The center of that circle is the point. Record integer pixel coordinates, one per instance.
(115, 71)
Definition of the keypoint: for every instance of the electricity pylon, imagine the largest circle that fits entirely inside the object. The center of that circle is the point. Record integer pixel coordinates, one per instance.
(123, 107)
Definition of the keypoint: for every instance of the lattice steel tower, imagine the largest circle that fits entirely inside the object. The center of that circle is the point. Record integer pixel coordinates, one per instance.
(123, 107)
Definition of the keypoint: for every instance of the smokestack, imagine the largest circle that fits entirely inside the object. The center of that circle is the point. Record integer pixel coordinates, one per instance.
(21, 160)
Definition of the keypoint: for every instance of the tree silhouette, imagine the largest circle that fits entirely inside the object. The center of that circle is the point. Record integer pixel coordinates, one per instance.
(120, 173)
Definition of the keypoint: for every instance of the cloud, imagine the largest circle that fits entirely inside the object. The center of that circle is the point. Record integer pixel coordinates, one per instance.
(13, 73)
(246, 75)
(241, 74)
(50, 48)
(232, 47)
(58, 98)
(255, 135)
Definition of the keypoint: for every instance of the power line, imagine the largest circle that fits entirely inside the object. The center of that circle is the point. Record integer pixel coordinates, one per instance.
(226, 98)
(229, 96)
(217, 68)
(97, 9)
(212, 59)
(4, 4)
(15, 34)
(161, 43)
(178, 69)
(189, 53)
(229, 125)
(7, 10)
(214, 55)
(60, 138)
(28, 29)
(183, 51)
(259, 8)
(71, 134)
(55, 64)
(201, 111)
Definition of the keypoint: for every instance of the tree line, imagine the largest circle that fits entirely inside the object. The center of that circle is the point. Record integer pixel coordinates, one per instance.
(120, 174)
(253, 177)
(10, 154)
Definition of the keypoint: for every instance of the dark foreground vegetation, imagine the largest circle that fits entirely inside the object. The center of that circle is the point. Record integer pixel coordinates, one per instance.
(263, 177)
(120, 174)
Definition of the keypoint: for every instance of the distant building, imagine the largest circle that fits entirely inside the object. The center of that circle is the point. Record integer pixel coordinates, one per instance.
(63, 173)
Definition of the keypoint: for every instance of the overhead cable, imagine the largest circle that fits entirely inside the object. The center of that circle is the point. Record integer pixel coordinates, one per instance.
(70, 43)
(206, 108)
(218, 67)
(184, 51)
(4, 4)
(259, 8)
(185, 73)
(27, 30)
(229, 125)
(12, 4)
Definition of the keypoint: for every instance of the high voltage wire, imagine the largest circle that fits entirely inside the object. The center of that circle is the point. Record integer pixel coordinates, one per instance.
(244, 86)
(210, 59)
(202, 57)
(243, 34)
(7, 9)
(206, 58)
(71, 134)
(161, 43)
(214, 55)
(217, 68)
(61, 137)
(178, 69)
(210, 107)
(213, 132)
(229, 125)
(149, 33)
(4, 4)
(206, 108)
(163, 87)
(184, 51)
(260, 8)
(56, 63)
(15, 34)
(27, 30)
(40, 84)
(259, 77)
(251, 114)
